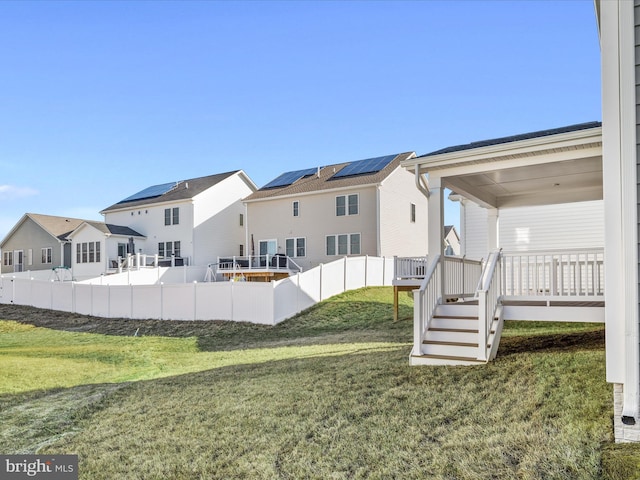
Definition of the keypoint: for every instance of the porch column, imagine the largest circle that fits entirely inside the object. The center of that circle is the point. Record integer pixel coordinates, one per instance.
(492, 229)
(435, 224)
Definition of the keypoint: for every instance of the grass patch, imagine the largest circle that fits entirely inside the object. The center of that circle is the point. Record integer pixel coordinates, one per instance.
(328, 394)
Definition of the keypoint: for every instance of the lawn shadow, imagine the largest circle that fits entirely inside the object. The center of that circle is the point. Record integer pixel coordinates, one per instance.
(558, 342)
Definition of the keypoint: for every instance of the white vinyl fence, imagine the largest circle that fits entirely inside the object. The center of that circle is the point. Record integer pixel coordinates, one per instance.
(256, 302)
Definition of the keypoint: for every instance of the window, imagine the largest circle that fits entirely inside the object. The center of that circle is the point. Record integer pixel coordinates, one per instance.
(241, 250)
(340, 206)
(354, 244)
(7, 259)
(343, 244)
(172, 216)
(241, 219)
(30, 256)
(87, 252)
(295, 247)
(353, 204)
(46, 255)
(331, 245)
(166, 249)
(347, 205)
(413, 213)
(296, 208)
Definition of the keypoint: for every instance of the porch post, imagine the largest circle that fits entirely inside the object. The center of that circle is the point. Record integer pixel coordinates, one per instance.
(435, 225)
(492, 229)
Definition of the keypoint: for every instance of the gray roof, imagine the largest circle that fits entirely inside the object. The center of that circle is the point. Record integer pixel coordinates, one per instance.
(184, 190)
(324, 180)
(58, 227)
(515, 138)
(110, 229)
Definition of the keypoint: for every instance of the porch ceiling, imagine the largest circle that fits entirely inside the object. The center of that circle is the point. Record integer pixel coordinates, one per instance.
(558, 182)
(540, 171)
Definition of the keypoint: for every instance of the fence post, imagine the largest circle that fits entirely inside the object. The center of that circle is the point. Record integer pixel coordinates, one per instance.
(366, 265)
(195, 299)
(344, 277)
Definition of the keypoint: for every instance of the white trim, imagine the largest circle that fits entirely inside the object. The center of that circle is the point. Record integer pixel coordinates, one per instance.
(535, 145)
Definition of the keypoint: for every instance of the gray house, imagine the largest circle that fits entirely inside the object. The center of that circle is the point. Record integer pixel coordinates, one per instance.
(38, 242)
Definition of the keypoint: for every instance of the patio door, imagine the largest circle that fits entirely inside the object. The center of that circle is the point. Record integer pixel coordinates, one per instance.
(18, 260)
(268, 248)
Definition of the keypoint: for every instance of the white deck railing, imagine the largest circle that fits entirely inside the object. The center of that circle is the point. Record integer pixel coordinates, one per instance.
(405, 268)
(257, 262)
(461, 276)
(425, 301)
(553, 273)
(488, 301)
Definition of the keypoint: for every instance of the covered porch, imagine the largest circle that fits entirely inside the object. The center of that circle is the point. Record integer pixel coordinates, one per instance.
(460, 304)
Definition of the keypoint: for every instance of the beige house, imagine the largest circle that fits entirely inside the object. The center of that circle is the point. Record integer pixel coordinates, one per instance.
(314, 216)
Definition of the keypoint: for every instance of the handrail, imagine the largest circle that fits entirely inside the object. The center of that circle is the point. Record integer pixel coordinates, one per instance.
(460, 276)
(488, 300)
(565, 273)
(255, 262)
(410, 267)
(426, 298)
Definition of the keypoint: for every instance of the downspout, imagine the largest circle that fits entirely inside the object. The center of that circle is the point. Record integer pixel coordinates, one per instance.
(628, 167)
(421, 182)
(246, 230)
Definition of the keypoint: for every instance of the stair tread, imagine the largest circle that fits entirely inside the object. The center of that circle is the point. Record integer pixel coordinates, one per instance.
(457, 330)
(456, 317)
(449, 357)
(453, 344)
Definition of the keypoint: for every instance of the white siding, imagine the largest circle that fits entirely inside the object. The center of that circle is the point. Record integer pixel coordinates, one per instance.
(473, 230)
(549, 227)
(216, 229)
(148, 220)
(398, 234)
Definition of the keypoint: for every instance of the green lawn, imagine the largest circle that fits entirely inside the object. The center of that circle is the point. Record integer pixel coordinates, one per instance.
(328, 394)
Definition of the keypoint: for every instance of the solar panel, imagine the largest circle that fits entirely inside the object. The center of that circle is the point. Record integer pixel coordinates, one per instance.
(369, 165)
(150, 192)
(288, 178)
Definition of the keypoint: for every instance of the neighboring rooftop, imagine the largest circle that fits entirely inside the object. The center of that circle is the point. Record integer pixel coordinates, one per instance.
(339, 175)
(111, 229)
(515, 138)
(167, 192)
(59, 227)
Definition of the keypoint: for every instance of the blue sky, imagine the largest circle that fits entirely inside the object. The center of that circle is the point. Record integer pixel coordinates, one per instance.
(99, 100)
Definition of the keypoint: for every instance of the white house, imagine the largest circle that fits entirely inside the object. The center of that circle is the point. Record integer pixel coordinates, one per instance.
(96, 247)
(188, 222)
(319, 214)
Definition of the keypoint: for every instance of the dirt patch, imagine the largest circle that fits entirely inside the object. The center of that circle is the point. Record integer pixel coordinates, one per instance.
(73, 322)
(593, 340)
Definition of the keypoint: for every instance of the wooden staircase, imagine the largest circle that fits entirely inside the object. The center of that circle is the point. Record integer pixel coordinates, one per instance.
(452, 337)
